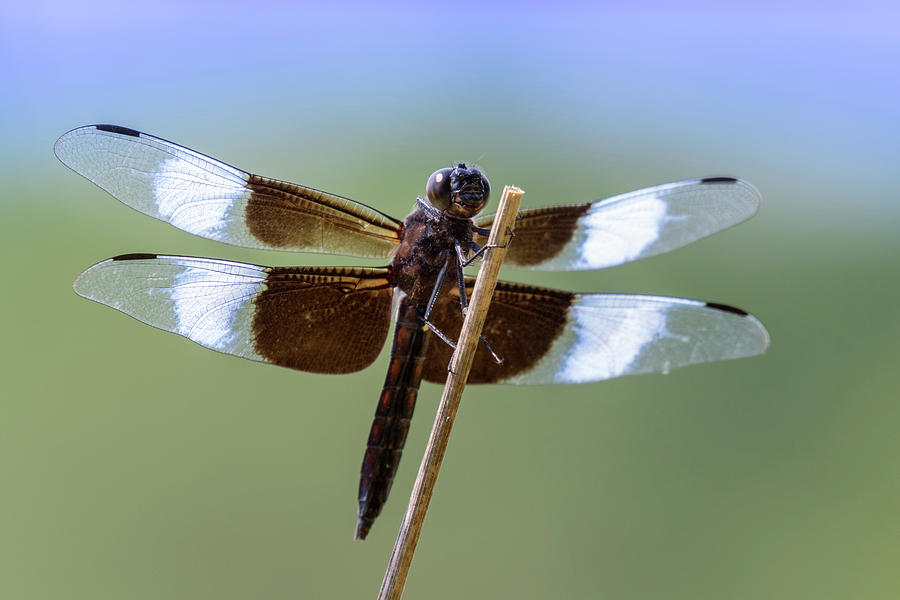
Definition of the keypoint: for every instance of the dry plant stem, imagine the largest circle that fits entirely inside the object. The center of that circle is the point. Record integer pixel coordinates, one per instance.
(460, 364)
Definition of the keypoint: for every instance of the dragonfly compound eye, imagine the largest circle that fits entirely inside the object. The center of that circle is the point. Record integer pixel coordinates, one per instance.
(438, 188)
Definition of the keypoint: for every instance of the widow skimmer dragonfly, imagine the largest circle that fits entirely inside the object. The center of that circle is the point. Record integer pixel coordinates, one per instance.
(336, 319)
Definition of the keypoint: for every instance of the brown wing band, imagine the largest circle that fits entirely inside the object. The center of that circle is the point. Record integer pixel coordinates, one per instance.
(541, 233)
(322, 320)
(522, 323)
(285, 215)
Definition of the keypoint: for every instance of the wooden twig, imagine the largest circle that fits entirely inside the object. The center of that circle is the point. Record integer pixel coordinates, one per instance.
(460, 364)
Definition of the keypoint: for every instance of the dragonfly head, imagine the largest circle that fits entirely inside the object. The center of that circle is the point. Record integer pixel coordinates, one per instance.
(460, 192)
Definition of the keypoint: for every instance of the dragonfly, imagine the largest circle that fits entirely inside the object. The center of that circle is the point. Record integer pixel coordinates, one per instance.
(336, 319)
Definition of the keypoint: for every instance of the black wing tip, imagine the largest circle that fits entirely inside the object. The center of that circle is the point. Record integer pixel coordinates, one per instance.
(118, 129)
(136, 256)
(719, 180)
(59, 146)
(750, 190)
(727, 308)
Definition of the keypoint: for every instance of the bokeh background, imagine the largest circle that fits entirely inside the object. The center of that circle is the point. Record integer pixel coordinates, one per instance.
(137, 465)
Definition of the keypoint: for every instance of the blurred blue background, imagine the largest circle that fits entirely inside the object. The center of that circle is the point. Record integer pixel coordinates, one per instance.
(137, 465)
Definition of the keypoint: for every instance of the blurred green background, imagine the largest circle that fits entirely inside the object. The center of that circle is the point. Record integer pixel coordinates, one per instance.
(137, 465)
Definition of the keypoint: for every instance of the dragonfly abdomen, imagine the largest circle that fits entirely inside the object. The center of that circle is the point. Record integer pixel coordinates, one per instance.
(395, 409)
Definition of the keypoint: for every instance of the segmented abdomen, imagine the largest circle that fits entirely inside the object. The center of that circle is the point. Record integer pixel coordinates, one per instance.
(395, 409)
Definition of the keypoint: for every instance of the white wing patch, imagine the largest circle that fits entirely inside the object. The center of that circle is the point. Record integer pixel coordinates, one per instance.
(611, 335)
(607, 341)
(200, 200)
(620, 232)
(652, 221)
(193, 192)
(207, 309)
(208, 301)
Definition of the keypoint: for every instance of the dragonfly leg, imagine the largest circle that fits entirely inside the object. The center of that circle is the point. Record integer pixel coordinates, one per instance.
(463, 300)
(487, 232)
(438, 284)
(428, 208)
(426, 318)
(461, 282)
(479, 250)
